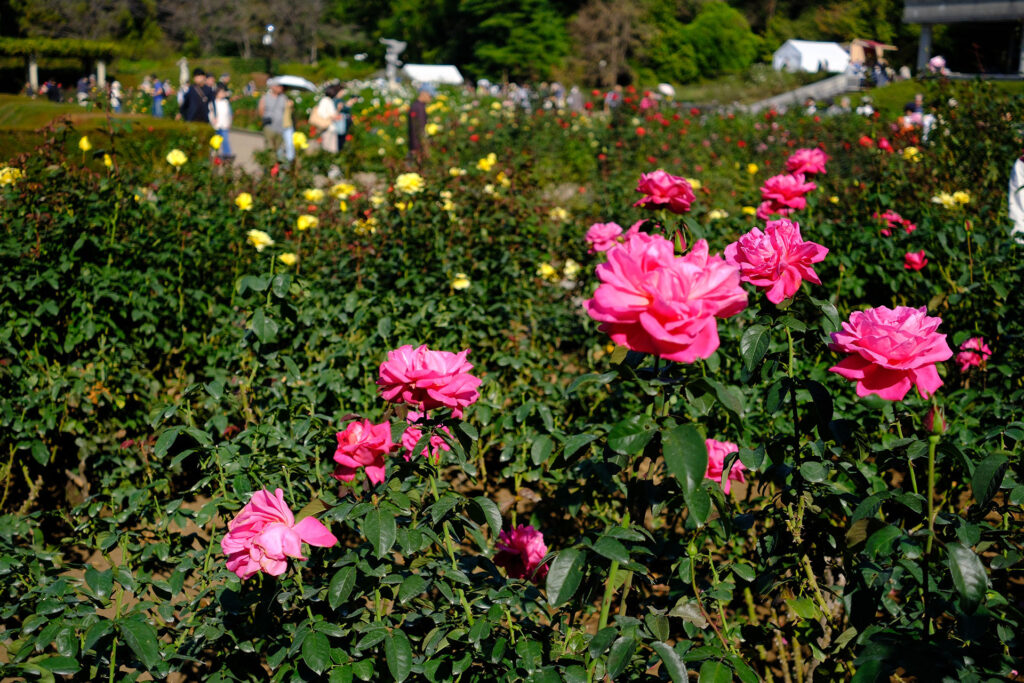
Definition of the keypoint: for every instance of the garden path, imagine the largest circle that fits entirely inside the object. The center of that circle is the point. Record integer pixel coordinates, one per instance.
(245, 144)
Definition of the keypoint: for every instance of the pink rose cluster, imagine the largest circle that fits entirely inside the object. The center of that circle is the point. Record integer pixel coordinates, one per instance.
(807, 160)
(718, 452)
(783, 194)
(893, 221)
(652, 301)
(603, 236)
(264, 534)
(427, 379)
(776, 260)
(413, 433)
(891, 350)
(663, 189)
(520, 552)
(973, 353)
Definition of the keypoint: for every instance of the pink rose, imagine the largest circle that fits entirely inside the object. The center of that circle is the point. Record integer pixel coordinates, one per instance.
(893, 220)
(718, 451)
(520, 553)
(787, 190)
(777, 259)
(807, 160)
(973, 353)
(891, 350)
(264, 533)
(652, 301)
(603, 236)
(663, 188)
(769, 208)
(428, 379)
(914, 260)
(412, 435)
(363, 444)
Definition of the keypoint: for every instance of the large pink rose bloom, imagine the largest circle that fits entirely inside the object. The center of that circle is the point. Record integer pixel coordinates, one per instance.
(807, 160)
(603, 236)
(428, 379)
(973, 353)
(363, 444)
(787, 190)
(718, 451)
(412, 435)
(264, 533)
(776, 260)
(652, 301)
(520, 553)
(890, 351)
(660, 188)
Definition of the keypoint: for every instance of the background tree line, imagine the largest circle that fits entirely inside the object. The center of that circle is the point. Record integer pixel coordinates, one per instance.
(592, 41)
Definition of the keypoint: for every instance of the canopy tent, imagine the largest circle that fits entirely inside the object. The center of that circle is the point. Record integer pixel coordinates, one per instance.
(810, 56)
(294, 82)
(433, 73)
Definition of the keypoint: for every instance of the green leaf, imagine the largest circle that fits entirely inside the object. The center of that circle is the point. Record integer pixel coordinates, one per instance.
(600, 642)
(575, 443)
(141, 638)
(341, 586)
(700, 506)
(672, 661)
(64, 666)
(379, 527)
(618, 659)
(316, 652)
(384, 327)
(804, 608)
(165, 441)
(541, 449)
(657, 624)
(311, 509)
(489, 512)
(592, 377)
(101, 583)
(263, 327)
(714, 672)
(612, 549)
(399, 654)
(412, 586)
(686, 456)
(968, 574)
(629, 436)
(988, 476)
(565, 575)
(753, 345)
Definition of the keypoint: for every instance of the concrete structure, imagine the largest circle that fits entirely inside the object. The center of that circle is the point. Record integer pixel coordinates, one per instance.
(830, 87)
(810, 56)
(928, 13)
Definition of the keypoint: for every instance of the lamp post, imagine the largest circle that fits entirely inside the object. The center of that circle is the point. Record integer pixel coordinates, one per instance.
(268, 43)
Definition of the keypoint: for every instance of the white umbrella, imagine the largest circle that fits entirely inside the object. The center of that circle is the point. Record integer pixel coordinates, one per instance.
(295, 82)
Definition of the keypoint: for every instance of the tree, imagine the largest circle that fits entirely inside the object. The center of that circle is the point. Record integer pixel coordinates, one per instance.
(523, 40)
(604, 34)
(721, 39)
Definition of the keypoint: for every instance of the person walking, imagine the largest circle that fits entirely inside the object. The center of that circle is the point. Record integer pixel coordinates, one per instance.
(272, 108)
(221, 119)
(196, 102)
(159, 95)
(418, 123)
(323, 118)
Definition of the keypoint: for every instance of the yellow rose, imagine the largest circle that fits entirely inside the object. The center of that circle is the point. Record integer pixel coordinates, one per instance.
(84, 144)
(288, 258)
(558, 214)
(571, 269)
(176, 158)
(460, 281)
(313, 194)
(409, 183)
(834, 199)
(912, 154)
(547, 271)
(366, 226)
(961, 197)
(244, 201)
(752, 169)
(496, 106)
(216, 141)
(377, 200)
(487, 163)
(343, 190)
(259, 239)
(10, 175)
(433, 129)
(945, 199)
(108, 161)
(300, 140)
(343, 205)
(749, 211)
(503, 179)
(402, 206)
(694, 183)
(305, 222)
(455, 171)
(717, 214)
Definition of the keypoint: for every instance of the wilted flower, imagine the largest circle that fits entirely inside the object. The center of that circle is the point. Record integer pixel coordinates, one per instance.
(84, 144)
(244, 201)
(891, 350)
(313, 194)
(520, 552)
(718, 452)
(973, 353)
(460, 281)
(776, 260)
(363, 444)
(305, 222)
(428, 379)
(216, 141)
(409, 183)
(288, 258)
(659, 187)
(264, 533)
(176, 158)
(259, 239)
(914, 260)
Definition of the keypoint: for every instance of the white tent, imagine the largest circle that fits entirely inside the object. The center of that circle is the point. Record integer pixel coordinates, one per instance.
(810, 56)
(433, 73)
